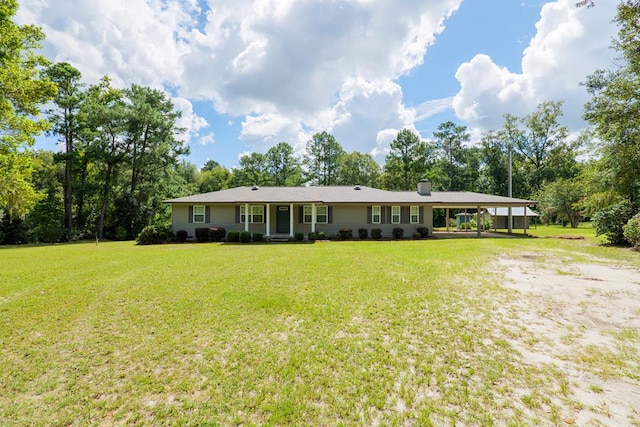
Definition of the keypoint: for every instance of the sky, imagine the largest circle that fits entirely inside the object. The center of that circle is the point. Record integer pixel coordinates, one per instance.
(248, 74)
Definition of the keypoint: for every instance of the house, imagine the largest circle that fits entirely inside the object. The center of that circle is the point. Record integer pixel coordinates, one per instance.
(520, 217)
(283, 211)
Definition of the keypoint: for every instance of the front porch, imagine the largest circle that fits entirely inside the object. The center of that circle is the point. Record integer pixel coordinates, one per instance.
(279, 219)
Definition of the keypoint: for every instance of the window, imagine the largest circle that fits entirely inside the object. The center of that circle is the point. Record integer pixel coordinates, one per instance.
(198, 214)
(395, 214)
(375, 214)
(256, 214)
(322, 214)
(415, 214)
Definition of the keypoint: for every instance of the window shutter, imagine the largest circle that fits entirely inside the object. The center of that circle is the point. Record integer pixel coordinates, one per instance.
(369, 215)
(207, 214)
(404, 214)
(300, 214)
(190, 214)
(421, 214)
(330, 214)
(237, 214)
(383, 214)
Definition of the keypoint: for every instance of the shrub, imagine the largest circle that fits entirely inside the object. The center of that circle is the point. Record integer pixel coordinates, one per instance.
(217, 234)
(312, 236)
(453, 223)
(298, 237)
(202, 235)
(416, 235)
(154, 235)
(423, 231)
(245, 237)
(376, 233)
(611, 220)
(397, 232)
(363, 233)
(632, 231)
(257, 237)
(181, 236)
(233, 236)
(322, 235)
(345, 234)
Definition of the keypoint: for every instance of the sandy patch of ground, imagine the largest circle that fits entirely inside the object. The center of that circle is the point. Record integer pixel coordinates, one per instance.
(583, 319)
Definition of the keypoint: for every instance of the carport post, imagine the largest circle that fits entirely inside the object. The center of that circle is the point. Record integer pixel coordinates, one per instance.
(525, 221)
(478, 221)
(446, 219)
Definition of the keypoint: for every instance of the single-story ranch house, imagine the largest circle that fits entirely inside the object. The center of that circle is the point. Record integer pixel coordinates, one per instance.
(283, 211)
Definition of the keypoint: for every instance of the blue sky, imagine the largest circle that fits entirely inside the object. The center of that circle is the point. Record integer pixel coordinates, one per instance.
(248, 74)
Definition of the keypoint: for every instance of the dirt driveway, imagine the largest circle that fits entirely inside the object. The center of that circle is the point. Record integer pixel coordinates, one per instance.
(583, 319)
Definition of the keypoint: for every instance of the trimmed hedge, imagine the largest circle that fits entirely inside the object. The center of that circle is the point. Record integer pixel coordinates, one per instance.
(181, 236)
(376, 233)
(202, 235)
(298, 237)
(312, 236)
(233, 236)
(217, 234)
(154, 235)
(423, 231)
(363, 233)
(345, 234)
(257, 237)
(322, 235)
(397, 232)
(245, 237)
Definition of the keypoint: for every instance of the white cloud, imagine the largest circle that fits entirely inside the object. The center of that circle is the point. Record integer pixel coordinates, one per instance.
(191, 122)
(570, 44)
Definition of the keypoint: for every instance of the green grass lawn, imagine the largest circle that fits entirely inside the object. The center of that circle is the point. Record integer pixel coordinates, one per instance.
(337, 333)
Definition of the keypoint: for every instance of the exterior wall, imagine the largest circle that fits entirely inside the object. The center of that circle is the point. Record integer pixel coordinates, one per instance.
(353, 216)
(503, 222)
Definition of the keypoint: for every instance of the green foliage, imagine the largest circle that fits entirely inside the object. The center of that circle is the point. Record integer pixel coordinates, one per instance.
(631, 231)
(363, 233)
(282, 166)
(181, 236)
(323, 158)
(397, 232)
(560, 200)
(321, 235)
(298, 237)
(202, 234)
(245, 237)
(233, 236)
(610, 221)
(154, 235)
(345, 234)
(257, 237)
(217, 234)
(423, 231)
(312, 236)
(376, 233)
(407, 161)
(13, 231)
(45, 221)
(358, 168)
(449, 140)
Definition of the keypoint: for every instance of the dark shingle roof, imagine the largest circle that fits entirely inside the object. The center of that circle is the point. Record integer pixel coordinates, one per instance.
(343, 194)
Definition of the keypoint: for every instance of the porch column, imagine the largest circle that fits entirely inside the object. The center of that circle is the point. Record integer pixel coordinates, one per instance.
(246, 217)
(291, 220)
(524, 226)
(478, 221)
(268, 230)
(446, 219)
(313, 217)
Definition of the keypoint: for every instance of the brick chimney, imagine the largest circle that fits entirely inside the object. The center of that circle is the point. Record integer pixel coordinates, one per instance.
(424, 187)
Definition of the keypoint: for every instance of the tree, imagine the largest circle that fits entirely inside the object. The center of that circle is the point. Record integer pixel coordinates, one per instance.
(407, 161)
(448, 141)
(214, 179)
(282, 165)
(615, 105)
(23, 89)
(358, 168)
(252, 171)
(322, 159)
(66, 125)
(560, 200)
(537, 137)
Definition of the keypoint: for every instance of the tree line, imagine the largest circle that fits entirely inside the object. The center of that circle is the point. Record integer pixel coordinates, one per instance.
(121, 151)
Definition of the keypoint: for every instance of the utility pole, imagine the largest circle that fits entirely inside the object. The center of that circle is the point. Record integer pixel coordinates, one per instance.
(510, 217)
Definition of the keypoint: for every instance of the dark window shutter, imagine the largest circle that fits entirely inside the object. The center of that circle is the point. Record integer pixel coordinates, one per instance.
(369, 210)
(330, 214)
(404, 214)
(421, 214)
(207, 214)
(300, 214)
(237, 214)
(383, 214)
(190, 214)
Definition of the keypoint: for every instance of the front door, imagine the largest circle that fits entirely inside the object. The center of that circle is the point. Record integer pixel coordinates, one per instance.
(282, 220)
